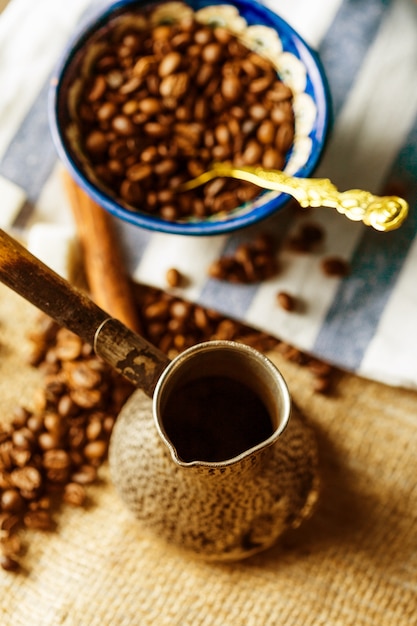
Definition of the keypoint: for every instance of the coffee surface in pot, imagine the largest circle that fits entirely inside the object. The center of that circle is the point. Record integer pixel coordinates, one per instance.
(215, 418)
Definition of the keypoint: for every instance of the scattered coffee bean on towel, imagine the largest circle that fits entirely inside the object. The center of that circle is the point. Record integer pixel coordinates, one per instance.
(286, 301)
(335, 266)
(307, 238)
(251, 262)
(174, 277)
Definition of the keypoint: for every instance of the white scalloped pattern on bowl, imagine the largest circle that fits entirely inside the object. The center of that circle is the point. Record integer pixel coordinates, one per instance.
(265, 41)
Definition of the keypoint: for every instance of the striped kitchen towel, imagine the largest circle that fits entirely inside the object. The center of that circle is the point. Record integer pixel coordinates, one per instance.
(365, 322)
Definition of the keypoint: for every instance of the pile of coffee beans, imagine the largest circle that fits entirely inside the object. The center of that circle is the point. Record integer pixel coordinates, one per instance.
(258, 260)
(173, 325)
(159, 105)
(49, 454)
(251, 262)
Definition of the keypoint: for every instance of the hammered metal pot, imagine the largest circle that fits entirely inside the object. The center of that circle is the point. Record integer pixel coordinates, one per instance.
(229, 508)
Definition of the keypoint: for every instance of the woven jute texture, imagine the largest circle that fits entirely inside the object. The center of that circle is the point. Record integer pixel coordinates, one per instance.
(353, 563)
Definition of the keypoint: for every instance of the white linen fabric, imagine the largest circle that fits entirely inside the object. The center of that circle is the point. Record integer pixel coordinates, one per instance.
(365, 322)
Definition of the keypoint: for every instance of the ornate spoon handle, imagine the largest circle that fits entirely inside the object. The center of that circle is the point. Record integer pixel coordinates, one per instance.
(381, 212)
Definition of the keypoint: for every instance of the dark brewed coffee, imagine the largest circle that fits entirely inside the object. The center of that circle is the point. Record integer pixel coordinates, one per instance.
(214, 419)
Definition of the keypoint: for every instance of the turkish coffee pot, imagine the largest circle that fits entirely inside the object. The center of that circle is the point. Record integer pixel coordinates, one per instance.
(209, 452)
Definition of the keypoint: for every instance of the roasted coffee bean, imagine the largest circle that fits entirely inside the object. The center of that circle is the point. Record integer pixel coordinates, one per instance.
(21, 457)
(284, 137)
(74, 494)
(97, 88)
(57, 465)
(169, 64)
(23, 438)
(335, 267)
(84, 374)
(123, 125)
(95, 450)
(319, 368)
(106, 111)
(312, 233)
(286, 301)
(49, 441)
(9, 523)
(272, 159)
(173, 277)
(8, 563)
(26, 478)
(94, 428)
(68, 346)
(11, 546)
(321, 384)
(252, 153)
(85, 475)
(11, 501)
(20, 417)
(66, 406)
(5, 481)
(306, 238)
(44, 503)
(163, 106)
(131, 192)
(266, 132)
(291, 353)
(96, 143)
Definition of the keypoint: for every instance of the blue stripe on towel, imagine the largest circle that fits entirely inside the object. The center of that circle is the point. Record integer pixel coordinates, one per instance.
(31, 156)
(345, 44)
(362, 297)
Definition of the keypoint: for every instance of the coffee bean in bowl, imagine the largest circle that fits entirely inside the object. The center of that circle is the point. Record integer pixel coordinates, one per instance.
(149, 94)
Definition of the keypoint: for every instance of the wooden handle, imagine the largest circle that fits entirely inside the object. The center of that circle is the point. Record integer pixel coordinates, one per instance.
(37, 283)
(109, 284)
(131, 355)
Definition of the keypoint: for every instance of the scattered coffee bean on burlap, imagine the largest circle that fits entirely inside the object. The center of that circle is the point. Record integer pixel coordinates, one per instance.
(321, 384)
(8, 563)
(48, 454)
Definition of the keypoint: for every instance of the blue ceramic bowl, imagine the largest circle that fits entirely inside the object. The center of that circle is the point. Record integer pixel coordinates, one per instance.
(297, 65)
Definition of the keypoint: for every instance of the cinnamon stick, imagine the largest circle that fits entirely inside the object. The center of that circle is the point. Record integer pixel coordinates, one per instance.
(108, 281)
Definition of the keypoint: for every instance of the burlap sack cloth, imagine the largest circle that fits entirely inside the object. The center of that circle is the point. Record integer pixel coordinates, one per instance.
(353, 563)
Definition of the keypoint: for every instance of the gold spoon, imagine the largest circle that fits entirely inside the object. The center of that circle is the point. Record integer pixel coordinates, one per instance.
(381, 212)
